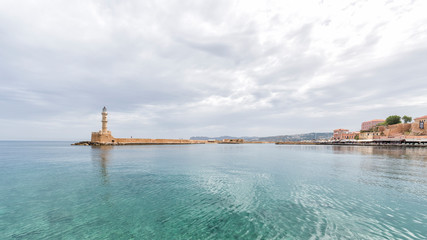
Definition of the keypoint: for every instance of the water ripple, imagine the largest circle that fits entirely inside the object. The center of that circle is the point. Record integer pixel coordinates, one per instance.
(213, 192)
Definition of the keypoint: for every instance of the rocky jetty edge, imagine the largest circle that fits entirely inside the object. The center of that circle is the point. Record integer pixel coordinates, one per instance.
(150, 142)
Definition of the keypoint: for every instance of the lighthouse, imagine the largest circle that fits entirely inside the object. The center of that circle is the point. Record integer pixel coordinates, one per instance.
(104, 120)
(104, 136)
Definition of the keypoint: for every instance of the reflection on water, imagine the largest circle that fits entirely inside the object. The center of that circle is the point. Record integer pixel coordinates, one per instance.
(101, 156)
(398, 168)
(389, 151)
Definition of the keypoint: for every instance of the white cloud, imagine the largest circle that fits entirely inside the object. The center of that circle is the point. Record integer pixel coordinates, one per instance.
(182, 68)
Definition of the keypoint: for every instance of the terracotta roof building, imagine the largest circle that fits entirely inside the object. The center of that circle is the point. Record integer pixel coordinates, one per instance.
(340, 134)
(368, 125)
(423, 117)
(419, 126)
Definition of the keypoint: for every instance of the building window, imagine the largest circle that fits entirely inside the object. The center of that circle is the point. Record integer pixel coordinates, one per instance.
(421, 124)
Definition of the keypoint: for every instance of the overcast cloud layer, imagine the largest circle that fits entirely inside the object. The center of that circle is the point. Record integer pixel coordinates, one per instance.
(178, 69)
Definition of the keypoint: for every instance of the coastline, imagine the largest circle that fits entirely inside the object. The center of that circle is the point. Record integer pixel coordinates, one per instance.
(379, 142)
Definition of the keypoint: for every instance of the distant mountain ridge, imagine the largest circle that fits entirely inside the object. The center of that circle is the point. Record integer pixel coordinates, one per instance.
(279, 138)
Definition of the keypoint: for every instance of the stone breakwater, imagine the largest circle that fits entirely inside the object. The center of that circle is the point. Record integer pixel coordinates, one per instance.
(148, 141)
(141, 141)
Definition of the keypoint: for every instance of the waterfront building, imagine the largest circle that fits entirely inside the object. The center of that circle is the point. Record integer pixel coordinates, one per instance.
(419, 126)
(369, 135)
(341, 134)
(368, 125)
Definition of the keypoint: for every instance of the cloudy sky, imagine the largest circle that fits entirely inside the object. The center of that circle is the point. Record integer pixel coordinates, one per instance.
(176, 69)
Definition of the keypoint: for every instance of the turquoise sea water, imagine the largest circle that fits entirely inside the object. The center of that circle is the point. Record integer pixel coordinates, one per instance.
(51, 190)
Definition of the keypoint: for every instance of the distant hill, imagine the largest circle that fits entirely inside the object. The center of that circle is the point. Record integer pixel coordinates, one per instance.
(280, 138)
(212, 138)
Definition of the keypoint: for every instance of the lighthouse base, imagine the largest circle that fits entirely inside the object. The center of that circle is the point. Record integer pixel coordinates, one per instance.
(102, 137)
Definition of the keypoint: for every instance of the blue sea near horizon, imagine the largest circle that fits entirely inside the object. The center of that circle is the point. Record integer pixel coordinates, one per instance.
(52, 190)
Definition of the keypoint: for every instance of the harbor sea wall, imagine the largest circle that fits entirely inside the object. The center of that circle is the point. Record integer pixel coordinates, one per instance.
(142, 141)
(397, 129)
(101, 138)
(156, 141)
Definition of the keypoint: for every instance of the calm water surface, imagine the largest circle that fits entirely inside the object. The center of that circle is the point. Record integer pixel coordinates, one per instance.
(51, 190)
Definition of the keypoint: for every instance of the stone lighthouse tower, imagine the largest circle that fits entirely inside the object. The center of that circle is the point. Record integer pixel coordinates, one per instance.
(103, 136)
(104, 120)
